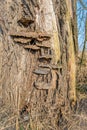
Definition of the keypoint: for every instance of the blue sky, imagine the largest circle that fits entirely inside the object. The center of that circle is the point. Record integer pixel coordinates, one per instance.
(81, 18)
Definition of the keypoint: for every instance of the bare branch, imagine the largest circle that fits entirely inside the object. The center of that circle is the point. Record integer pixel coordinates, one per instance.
(83, 5)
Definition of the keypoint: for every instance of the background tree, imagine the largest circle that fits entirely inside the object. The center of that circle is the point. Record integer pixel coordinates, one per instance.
(82, 23)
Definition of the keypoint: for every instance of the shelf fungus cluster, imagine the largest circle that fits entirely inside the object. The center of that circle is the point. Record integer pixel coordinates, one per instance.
(40, 41)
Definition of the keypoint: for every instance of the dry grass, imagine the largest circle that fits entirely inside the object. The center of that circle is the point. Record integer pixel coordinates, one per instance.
(12, 121)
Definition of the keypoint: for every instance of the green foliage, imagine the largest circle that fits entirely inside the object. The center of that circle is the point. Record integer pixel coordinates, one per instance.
(21, 127)
(82, 89)
(29, 128)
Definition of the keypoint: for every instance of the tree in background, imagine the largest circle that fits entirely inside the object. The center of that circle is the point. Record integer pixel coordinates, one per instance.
(82, 26)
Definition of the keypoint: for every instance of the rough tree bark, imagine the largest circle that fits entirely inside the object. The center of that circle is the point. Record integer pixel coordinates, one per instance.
(37, 59)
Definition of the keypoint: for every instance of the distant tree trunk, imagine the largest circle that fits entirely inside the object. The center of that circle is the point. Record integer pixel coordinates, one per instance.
(37, 58)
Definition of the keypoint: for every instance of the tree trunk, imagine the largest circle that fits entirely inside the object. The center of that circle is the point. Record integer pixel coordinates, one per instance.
(37, 59)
